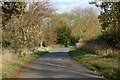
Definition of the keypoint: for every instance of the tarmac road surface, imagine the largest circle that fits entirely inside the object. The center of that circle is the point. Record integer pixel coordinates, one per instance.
(58, 64)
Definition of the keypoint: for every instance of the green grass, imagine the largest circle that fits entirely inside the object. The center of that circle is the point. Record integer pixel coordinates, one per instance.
(56, 48)
(107, 67)
(10, 68)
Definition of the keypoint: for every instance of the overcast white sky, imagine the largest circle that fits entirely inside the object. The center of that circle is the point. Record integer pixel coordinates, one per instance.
(68, 5)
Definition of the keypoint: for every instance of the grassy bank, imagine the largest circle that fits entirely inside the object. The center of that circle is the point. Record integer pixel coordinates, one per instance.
(11, 63)
(107, 67)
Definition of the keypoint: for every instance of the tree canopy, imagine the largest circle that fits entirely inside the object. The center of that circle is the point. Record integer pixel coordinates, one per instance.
(110, 21)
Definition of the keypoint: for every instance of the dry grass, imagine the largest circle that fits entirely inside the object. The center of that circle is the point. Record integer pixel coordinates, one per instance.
(113, 53)
(99, 48)
(8, 57)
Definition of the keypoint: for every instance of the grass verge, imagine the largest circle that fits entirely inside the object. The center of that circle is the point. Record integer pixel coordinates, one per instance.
(107, 67)
(56, 48)
(9, 68)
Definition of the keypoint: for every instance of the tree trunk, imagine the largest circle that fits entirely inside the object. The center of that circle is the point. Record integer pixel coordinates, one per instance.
(41, 44)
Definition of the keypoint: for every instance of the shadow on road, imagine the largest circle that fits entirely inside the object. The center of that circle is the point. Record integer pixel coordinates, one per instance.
(57, 64)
